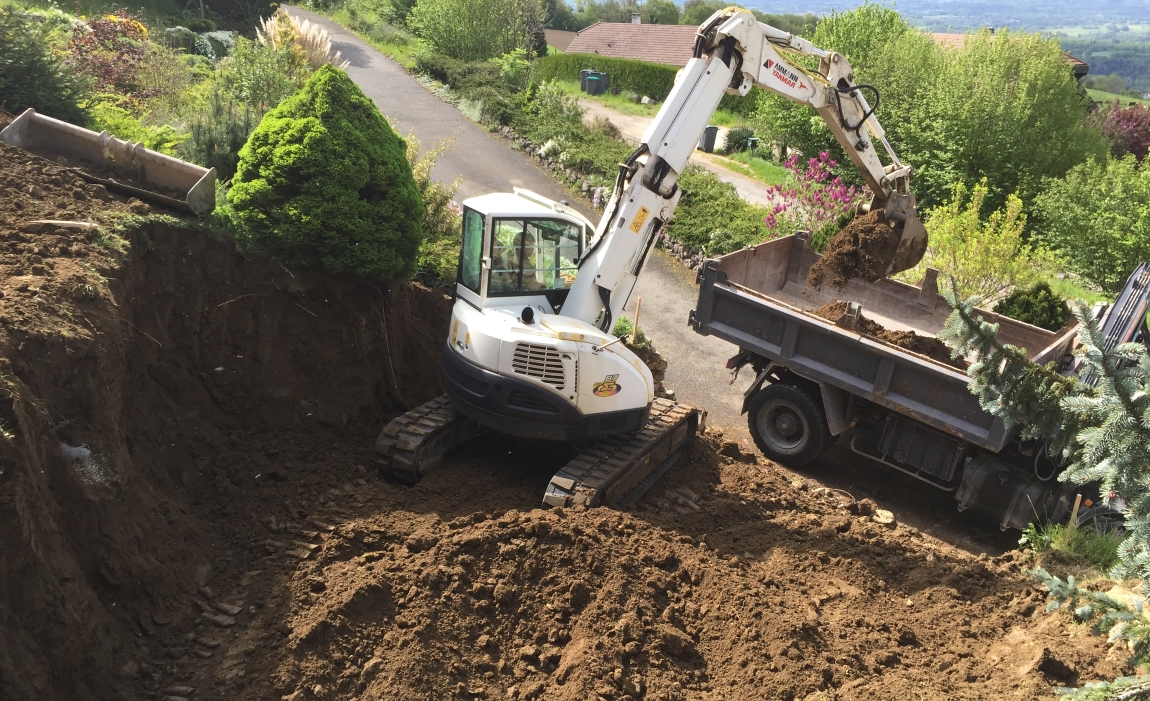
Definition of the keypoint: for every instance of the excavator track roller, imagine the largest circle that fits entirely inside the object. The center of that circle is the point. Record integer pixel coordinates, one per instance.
(618, 470)
(414, 443)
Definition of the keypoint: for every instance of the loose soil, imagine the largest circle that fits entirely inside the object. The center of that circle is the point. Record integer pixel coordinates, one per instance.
(863, 249)
(923, 345)
(189, 509)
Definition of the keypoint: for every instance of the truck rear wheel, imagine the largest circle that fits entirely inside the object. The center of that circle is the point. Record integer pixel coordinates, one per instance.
(788, 424)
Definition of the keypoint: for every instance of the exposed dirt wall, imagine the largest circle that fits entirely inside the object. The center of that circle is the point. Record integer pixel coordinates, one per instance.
(131, 371)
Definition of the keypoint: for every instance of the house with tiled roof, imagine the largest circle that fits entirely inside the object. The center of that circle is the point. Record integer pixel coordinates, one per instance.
(670, 44)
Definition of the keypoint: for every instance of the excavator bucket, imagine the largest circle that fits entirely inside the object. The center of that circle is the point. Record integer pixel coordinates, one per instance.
(913, 240)
(118, 165)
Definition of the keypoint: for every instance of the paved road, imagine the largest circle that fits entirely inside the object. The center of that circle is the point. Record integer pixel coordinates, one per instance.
(633, 127)
(696, 370)
(483, 159)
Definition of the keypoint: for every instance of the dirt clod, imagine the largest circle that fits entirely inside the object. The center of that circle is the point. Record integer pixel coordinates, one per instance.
(911, 341)
(863, 249)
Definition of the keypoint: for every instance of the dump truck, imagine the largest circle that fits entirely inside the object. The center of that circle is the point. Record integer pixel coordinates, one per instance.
(818, 381)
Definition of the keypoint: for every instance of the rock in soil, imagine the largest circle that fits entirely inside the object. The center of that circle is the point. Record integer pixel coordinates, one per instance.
(863, 249)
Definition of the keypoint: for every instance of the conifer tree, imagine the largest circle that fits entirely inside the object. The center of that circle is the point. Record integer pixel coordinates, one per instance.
(1101, 426)
(1099, 420)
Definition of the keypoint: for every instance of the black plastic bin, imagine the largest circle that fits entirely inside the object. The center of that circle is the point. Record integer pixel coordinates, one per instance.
(707, 142)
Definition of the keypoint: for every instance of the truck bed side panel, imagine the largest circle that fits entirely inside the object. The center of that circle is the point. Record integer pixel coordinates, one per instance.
(901, 381)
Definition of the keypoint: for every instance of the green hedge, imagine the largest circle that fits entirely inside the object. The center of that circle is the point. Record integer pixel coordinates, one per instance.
(654, 80)
(651, 79)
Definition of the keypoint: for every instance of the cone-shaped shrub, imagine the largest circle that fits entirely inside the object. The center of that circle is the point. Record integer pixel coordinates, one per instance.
(324, 181)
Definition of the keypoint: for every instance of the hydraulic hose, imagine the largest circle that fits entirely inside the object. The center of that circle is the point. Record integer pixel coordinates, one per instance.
(605, 325)
(840, 90)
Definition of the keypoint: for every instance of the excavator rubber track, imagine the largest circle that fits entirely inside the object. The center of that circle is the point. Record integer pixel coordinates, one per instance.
(618, 470)
(415, 443)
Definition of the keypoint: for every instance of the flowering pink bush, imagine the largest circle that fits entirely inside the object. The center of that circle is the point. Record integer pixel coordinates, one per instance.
(813, 200)
(1128, 129)
(111, 50)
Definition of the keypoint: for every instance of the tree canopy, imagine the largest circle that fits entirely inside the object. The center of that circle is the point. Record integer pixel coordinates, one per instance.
(1005, 106)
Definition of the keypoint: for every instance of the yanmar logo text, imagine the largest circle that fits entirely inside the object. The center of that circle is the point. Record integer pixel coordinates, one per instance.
(784, 75)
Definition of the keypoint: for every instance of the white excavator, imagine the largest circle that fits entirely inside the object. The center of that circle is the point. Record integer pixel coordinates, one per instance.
(529, 348)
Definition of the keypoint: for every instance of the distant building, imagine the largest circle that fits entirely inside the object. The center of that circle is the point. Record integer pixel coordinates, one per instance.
(559, 38)
(669, 44)
(1077, 65)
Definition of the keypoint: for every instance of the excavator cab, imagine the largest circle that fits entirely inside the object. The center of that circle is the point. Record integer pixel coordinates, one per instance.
(519, 249)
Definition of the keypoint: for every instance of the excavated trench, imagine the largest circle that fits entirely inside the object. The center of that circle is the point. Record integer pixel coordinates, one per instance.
(188, 509)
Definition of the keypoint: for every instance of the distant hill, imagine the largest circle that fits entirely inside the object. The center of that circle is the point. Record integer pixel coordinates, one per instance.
(960, 15)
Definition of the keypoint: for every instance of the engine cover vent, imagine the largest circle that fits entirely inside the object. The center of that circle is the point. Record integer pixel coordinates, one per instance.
(541, 362)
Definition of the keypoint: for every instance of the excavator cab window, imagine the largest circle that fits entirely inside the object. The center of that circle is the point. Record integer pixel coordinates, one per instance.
(533, 256)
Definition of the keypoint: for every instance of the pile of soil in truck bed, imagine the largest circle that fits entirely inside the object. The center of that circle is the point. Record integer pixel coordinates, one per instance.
(863, 249)
(923, 345)
(189, 509)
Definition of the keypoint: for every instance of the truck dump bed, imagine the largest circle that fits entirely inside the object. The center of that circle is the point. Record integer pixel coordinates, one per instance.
(758, 299)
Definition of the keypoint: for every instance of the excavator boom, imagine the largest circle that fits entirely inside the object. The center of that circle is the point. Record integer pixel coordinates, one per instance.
(733, 52)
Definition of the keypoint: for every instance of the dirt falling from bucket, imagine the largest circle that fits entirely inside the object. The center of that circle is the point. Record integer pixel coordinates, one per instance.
(863, 249)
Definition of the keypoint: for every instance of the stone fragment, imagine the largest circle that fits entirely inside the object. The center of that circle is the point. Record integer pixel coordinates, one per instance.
(219, 620)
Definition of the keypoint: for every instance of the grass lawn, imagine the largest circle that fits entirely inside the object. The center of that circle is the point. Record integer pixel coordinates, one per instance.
(1109, 97)
(756, 167)
(1072, 289)
(372, 28)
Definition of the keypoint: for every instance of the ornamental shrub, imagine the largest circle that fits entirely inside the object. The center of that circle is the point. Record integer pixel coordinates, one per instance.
(813, 199)
(738, 139)
(1036, 305)
(111, 50)
(324, 181)
(31, 75)
(1128, 129)
(713, 218)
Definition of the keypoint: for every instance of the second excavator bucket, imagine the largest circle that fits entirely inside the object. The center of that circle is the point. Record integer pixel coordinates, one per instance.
(119, 165)
(913, 240)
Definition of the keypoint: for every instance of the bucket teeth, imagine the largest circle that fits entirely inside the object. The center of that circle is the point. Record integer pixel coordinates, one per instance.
(618, 470)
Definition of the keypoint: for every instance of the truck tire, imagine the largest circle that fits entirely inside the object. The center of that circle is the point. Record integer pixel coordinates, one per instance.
(788, 424)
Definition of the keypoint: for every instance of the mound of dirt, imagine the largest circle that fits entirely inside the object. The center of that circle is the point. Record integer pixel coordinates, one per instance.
(734, 580)
(923, 345)
(863, 249)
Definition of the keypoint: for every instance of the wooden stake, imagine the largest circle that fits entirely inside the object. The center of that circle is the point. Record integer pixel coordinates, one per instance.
(635, 331)
(1070, 527)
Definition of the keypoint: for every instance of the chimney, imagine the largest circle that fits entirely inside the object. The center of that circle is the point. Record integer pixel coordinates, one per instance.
(636, 18)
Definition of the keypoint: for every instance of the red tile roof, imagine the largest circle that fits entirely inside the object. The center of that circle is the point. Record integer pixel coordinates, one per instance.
(670, 44)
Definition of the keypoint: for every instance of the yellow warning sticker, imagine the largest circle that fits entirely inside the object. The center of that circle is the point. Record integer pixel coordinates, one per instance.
(639, 219)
